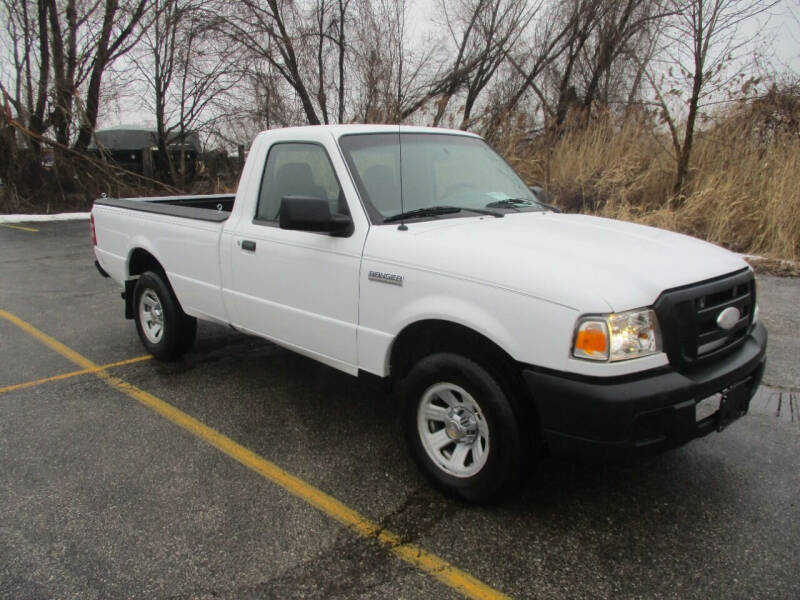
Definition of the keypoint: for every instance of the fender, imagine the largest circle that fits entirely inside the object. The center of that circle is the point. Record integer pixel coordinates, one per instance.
(375, 347)
(140, 242)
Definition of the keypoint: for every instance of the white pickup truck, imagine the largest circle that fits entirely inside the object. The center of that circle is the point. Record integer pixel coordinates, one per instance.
(418, 256)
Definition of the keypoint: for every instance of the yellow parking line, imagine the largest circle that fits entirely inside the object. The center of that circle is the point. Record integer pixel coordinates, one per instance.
(27, 384)
(427, 562)
(51, 343)
(20, 227)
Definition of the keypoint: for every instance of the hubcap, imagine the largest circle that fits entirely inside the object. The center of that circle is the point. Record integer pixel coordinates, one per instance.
(461, 425)
(151, 316)
(453, 430)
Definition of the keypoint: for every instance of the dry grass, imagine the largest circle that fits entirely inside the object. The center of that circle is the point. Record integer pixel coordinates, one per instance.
(743, 192)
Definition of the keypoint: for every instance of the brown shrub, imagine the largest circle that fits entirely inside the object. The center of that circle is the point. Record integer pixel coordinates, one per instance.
(744, 187)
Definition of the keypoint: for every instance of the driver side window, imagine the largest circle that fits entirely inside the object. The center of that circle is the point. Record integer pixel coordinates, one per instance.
(297, 169)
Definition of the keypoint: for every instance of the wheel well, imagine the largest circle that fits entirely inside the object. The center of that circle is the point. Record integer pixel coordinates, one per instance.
(428, 337)
(423, 338)
(140, 261)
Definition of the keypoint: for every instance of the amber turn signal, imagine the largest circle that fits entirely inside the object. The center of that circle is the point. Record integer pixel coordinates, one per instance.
(591, 340)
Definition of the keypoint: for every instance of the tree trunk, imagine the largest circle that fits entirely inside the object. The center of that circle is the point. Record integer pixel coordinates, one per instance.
(342, 10)
(37, 121)
(99, 64)
(62, 109)
(104, 54)
(688, 137)
(290, 58)
(321, 97)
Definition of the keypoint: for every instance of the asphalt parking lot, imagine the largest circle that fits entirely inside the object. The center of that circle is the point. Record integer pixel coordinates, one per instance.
(246, 471)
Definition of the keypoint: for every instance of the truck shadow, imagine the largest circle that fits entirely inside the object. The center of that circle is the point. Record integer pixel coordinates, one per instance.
(345, 436)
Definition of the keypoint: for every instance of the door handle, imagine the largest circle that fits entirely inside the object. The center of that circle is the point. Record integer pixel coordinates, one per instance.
(248, 245)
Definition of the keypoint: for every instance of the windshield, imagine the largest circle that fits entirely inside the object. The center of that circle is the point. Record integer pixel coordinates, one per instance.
(438, 170)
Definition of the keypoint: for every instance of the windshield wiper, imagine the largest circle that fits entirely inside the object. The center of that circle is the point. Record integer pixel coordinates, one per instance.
(517, 203)
(432, 211)
(511, 203)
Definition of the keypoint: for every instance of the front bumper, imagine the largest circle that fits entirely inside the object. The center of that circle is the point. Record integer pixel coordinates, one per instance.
(598, 419)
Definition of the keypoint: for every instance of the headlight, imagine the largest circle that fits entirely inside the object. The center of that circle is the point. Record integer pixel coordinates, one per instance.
(617, 336)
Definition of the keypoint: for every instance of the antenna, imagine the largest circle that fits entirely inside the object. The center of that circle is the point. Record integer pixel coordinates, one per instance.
(403, 226)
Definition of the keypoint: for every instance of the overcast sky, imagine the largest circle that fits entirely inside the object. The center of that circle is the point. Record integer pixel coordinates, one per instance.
(778, 30)
(783, 26)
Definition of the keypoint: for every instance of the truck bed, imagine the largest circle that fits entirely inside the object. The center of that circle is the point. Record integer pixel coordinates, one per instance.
(212, 207)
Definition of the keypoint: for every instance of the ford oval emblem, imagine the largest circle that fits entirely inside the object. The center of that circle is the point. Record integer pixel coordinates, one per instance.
(728, 317)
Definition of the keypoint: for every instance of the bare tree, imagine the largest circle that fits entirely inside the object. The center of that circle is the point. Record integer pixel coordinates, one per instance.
(393, 78)
(341, 40)
(481, 31)
(704, 53)
(275, 32)
(331, 19)
(624, 32)
(553, 35)
(604, 44)
(85, 38)
(185, 67)
(26, 86)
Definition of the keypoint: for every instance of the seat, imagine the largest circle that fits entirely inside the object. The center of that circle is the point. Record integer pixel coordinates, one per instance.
(292, 179)
(296, 179)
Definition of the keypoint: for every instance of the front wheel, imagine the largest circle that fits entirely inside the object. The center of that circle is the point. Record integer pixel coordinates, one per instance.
(165, 330)
(461, 428)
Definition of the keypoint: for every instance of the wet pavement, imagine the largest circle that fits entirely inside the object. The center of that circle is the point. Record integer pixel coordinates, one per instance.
(101, 497)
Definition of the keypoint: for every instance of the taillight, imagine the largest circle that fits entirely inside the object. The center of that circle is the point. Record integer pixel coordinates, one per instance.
(94, 233)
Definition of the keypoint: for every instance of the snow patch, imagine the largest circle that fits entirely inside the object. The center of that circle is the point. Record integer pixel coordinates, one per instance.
(76, 216)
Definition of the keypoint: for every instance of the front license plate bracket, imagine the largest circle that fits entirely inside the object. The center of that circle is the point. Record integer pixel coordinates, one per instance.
(733, 404)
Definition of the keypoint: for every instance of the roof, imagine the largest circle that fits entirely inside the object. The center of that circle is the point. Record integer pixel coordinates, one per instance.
(339, 130)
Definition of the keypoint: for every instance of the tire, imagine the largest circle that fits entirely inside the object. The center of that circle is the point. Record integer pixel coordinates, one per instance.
(165, 330)
(461, 428)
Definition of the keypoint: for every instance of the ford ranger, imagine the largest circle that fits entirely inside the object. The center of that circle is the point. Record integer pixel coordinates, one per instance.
(419, 257)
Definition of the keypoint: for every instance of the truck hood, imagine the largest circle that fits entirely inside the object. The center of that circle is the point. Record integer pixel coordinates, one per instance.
(586, 263)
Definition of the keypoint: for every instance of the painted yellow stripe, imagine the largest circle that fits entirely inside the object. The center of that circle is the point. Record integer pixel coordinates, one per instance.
(20, 227)
(27, 384)
(51, 343)
(427, 562)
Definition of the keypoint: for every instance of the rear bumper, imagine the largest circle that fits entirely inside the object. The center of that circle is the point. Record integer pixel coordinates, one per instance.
(599, 419)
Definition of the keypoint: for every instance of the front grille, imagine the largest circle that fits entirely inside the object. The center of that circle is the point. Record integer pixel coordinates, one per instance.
(688, 317)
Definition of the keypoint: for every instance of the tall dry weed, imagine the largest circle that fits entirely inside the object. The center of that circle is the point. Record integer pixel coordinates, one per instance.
(743, 191)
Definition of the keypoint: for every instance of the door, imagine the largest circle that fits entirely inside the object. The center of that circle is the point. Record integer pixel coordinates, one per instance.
(298, 288)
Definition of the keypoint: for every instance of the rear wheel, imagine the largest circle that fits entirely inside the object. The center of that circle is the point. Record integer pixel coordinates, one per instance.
(165, 330)
(461, 428)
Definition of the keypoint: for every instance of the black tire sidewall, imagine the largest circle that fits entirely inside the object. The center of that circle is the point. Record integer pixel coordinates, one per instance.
(503, 469)
(168, 347)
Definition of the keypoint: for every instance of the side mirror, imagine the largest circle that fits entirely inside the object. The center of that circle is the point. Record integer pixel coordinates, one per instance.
(304, 213)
